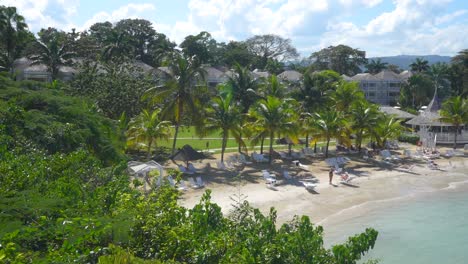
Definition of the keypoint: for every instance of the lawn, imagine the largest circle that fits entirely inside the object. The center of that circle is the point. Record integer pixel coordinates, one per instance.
(212, 142)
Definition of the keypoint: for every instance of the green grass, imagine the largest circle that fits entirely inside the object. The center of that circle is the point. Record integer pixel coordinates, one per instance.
(187, 136)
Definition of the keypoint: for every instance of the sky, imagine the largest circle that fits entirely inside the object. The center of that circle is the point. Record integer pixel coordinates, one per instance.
(379, 27)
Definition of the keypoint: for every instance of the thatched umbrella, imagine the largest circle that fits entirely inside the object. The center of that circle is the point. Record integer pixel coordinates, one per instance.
(186, 154)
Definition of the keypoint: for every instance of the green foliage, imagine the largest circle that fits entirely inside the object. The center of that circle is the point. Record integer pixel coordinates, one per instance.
(53, 121)
(342, 59)
(116, 87)
(410, 138)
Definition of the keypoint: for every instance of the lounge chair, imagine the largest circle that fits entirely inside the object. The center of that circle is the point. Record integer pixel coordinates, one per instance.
(192, 168)
(269, 178)
(243, 159)
(309, 186)
(200, 182)
(193, 184)
(346, 178)
(184, 170)
(286, 175)
(299, 164)
(182, 186)
(171, 180)
(432, 166)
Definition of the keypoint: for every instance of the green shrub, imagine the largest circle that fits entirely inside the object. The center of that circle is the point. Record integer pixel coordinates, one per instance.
(409, 138)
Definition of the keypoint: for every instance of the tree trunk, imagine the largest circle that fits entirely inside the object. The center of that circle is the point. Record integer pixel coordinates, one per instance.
(326, 149)
(289, 149)
(261, 145)
(315, 147)
(223, 146)
(240, 139)
(359, 141)
(175, 138)
(307, 140)
(148, 155)
(270, 158)
(455, 138)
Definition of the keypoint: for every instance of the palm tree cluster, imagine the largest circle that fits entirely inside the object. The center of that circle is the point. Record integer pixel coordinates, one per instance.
(249, 109)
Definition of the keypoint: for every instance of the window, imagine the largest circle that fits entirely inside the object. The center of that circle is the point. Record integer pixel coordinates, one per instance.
(370, 94)
(372, 84)
(393, 85)
(393, 94)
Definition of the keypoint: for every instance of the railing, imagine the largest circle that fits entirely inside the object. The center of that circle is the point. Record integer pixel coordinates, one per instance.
(449, 137)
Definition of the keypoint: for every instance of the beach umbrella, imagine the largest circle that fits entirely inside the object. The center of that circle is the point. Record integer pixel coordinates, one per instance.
(186, 154)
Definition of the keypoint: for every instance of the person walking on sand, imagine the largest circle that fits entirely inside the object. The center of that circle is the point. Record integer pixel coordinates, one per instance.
(330, 175)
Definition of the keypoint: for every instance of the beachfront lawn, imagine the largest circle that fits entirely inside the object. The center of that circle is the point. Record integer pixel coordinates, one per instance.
(187, 136)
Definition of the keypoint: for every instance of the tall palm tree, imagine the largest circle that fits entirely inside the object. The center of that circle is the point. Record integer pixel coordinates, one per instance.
(272, 87)
(147, 127)
(115, 45)
(387, 127)
(273, 116)
(364, 117)
(244, 89)
(455, 111)
(376, 66)
(330, 124)
(420, 65)
(180, 94)
(223, 114)
(461, 58)
(13, 29)
(53, 54)
(345, 94)
(438, 73)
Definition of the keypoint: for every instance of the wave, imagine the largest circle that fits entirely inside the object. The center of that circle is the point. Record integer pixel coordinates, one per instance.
(450, 186)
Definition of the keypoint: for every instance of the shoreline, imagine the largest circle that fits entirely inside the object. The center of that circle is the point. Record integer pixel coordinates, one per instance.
(375, 183)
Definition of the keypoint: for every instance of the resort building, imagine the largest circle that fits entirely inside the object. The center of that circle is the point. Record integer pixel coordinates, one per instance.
(432, 131)
(290, 76)
(382, 88)
(24, 69)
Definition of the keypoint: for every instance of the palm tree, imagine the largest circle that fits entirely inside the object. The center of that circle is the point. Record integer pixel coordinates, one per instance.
(179, 94)
(244, 89)
(273, 116)
(439, 73)
(387, 127)
(364, 117)
(330, 124)
(461, 58)
(346, 93)
(13, 29)
(115, 45)
(223, 114)
(53, 54)
(455, 112)
(376, 66)
(272, 87)
(420, 65)
(147, 127)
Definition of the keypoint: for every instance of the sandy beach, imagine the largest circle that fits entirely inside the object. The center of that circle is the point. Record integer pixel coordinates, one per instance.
(375, 180)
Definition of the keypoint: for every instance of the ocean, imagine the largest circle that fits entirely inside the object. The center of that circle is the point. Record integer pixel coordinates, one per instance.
(422, 227)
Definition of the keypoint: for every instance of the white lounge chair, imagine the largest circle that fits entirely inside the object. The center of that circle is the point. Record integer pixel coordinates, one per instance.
(193, 184)
(309, 186)
(432, 166)
(299, 164)
(269, 178)
(200, 182)
(184, 170)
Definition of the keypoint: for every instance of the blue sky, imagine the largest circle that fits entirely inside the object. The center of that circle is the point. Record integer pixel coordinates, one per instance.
(379, 27)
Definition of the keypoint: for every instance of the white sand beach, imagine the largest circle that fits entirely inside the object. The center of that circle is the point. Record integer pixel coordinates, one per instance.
(375, 180)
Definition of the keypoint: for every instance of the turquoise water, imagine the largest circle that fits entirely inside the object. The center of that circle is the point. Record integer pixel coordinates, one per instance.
(427, 228)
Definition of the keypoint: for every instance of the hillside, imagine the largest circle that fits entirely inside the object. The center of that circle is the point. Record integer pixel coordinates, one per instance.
(403, 61)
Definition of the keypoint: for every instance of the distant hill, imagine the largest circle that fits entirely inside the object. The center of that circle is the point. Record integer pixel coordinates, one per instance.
(403, 61)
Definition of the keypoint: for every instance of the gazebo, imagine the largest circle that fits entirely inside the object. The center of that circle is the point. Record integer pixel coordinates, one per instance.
(432, 131)
(142, 169)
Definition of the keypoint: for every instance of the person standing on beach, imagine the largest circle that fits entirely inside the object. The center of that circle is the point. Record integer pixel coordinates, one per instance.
(330, 175)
